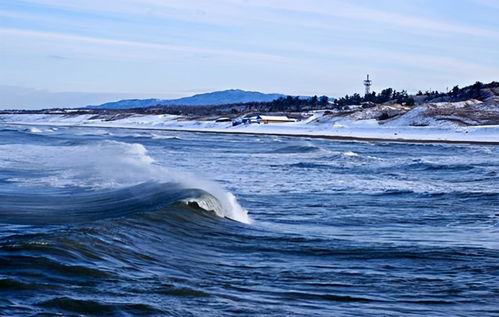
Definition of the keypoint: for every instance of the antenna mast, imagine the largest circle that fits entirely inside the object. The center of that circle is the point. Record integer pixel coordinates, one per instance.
(368, 84)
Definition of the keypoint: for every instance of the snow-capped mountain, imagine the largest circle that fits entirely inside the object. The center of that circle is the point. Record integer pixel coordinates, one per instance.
(208, 99)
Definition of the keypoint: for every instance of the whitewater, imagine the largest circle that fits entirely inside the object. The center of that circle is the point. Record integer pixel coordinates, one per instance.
(105, 221)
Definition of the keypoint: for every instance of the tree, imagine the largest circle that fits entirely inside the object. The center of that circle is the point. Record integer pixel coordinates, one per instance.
(313, 101)
(370, 97)
(476, 90)
(410, 102)
(385, 95)
(324, 101)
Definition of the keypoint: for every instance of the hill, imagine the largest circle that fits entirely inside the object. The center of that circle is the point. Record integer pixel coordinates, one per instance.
(232, 96)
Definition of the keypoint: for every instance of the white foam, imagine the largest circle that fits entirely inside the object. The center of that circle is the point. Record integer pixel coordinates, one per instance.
(350, 153)
(164, 137)
(35, 130)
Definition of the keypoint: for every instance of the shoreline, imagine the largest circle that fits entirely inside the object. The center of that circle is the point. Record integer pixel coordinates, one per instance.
(269, 133)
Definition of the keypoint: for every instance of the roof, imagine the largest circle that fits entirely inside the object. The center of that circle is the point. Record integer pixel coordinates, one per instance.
(276, 118)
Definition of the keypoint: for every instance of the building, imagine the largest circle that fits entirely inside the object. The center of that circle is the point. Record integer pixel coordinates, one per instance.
(264, 119)
(223, 119)
(275, 119)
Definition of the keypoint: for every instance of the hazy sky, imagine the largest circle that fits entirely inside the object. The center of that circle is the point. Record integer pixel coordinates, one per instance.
(78, 52)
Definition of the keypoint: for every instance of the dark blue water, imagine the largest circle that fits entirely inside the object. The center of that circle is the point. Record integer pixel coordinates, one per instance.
(109, 222)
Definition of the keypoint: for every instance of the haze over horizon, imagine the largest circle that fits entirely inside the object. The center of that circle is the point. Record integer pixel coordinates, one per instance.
(74, 53)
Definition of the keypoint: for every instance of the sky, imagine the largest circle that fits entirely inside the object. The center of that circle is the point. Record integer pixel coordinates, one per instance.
(68, 53)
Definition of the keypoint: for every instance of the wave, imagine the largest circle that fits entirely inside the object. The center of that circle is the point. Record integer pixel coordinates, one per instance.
(297, 149)
(153, 136)
(309, 165)
(95, 307)
(34, 130)
(426, 166)
(114, 174)
(164, 137)
(41, 209)
(8, 129)
(94, 132)
(350, 153)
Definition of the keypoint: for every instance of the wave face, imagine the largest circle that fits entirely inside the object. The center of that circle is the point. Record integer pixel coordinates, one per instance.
(42, 209)
(112, 222)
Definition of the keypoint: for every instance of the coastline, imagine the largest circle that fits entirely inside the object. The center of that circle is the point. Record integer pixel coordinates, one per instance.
(290, 132)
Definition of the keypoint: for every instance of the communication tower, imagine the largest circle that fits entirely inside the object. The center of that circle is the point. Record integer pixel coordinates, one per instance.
(368, 84)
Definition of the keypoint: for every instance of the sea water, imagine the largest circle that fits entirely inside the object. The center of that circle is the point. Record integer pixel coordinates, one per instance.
(115, 222)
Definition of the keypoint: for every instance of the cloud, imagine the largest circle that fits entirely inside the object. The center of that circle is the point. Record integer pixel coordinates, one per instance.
(16, 34)
(348, 10)
(237, 12)
(217, 12)
(57, 57)
(126, 49)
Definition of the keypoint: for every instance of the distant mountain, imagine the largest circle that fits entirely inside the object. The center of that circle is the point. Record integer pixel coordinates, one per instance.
(127, 104)
(209, 99)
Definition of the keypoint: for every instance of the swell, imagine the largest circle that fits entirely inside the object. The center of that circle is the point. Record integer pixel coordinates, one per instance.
(297, 149)
(424, 166)
(42, 209)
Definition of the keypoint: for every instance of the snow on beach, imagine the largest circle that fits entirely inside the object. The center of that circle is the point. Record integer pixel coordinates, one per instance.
(430, 123)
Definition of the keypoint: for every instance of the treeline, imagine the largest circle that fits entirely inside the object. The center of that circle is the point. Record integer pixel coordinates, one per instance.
(298, 104)
(283, 104)
(475, 91)
(388, 94)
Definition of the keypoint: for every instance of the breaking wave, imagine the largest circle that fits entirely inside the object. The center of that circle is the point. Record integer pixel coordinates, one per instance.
(41, 209)
(103, 180)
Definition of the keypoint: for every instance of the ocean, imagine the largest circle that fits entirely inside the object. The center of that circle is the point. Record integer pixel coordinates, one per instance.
(117, 222)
